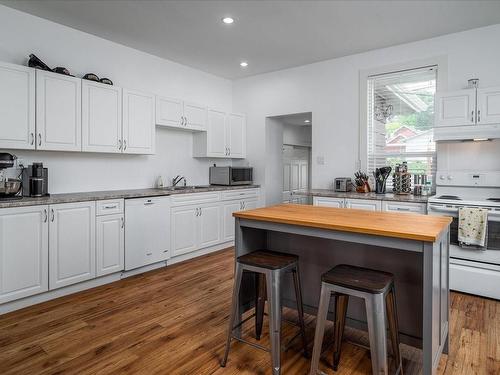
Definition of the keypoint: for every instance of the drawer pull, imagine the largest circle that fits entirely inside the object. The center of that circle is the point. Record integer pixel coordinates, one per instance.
(110, 207)
(148, 203)
(149, 254)
(402, 208)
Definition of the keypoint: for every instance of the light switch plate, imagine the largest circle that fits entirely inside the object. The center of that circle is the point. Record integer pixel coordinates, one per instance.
(320, 160)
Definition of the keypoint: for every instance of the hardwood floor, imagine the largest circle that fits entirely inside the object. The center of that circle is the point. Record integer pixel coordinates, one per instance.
(174, 320)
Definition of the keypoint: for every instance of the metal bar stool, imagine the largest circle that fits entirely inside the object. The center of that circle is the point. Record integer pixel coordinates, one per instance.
(377, 290)
(272, 265)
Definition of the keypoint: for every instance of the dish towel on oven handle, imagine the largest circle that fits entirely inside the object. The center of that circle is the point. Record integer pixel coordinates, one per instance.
(472, 227)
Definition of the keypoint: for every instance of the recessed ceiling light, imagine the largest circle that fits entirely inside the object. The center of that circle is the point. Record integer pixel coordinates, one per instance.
(307, 121)
(243, 64)
(228, 20)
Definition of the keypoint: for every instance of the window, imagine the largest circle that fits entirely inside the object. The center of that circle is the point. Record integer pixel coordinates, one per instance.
(400, 120)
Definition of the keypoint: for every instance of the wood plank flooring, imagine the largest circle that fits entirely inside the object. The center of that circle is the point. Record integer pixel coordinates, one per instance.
(174, 320)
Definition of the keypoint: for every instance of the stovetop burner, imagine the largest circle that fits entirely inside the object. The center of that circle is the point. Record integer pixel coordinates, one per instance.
(450, 197)
(493, 199)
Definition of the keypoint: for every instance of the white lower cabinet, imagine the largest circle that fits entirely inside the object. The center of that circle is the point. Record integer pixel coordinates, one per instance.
(195, 227)
(110, 244)
(71, 243)
(228, 208)
(147, 238)
(24, 254)
(363, 204)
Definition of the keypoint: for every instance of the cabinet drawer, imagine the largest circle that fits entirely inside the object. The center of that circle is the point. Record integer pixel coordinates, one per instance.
(109, 207)
(195, 198)
(418, 208)
(239, 194)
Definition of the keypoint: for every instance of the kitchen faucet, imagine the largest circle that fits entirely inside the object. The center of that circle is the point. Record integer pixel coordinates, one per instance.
(177, 179)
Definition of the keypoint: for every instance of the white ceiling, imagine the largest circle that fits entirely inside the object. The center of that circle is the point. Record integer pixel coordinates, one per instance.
(270, 35)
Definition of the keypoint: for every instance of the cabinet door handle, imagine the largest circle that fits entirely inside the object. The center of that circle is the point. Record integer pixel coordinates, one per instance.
(201, 212)
(39, 139)
(52, 215)
(149, 254)
(123, 222)
(32, 139)
(46, 215)
(244, 205)
(185, 121)
(119, 144)
(229, 150)
(472, 116)
(124, 144)
(478, 115)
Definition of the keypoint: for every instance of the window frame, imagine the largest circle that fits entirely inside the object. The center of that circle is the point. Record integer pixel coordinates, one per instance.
(441, 85)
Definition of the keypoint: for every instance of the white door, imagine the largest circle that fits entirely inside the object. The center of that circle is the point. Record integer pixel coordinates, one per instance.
(195, 116)
(147, 235)
(329, 202)
(110, 244)
(286, 182)
(455, 108)
(488, 105)
(71, 243)
(237, 135)
(58, 112)
(295, 175)
(228, 220)
(169, 112)
(184, 224)
(216, 134)
(17, 107)
(138, 122)
(304, 175)
(210, 219)
(24, 241)
(101, 117)
(363, 204)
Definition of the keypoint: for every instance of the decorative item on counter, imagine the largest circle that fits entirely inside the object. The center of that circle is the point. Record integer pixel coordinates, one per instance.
(361, 182)
(401, 179)
(35, 62)
(381, 175)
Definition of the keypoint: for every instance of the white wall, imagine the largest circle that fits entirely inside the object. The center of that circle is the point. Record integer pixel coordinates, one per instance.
(330, 90)
(57, 45)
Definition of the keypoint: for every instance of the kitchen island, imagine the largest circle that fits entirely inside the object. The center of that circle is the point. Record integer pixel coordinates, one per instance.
(414, 247)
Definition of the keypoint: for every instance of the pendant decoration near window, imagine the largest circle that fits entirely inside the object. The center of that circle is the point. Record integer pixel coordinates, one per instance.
(382, 113)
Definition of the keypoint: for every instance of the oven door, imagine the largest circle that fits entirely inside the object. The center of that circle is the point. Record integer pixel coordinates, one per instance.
(241, 176)
(490, 255)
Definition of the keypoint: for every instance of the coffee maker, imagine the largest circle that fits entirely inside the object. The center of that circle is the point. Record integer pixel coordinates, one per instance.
(35, 181)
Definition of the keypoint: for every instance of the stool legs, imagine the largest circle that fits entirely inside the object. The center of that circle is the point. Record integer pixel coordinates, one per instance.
(260, 301)
(273, 292)
(375, 316)
(234, 310)
(341, 302)
(300, 309)
(321, 316)
(392, 317)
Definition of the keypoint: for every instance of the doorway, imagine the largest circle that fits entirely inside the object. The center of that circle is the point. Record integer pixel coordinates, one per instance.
(288, 171)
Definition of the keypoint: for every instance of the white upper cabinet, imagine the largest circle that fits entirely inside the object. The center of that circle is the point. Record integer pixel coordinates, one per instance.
(455, 108)
(176, 113)
(225, 136)
(24, 253)
(237, 135)
(488, 106)
(58, 112)
(138, 122)
(17, 107)
(169, 112)
(216, 134)
(72, 243)
(101, 117)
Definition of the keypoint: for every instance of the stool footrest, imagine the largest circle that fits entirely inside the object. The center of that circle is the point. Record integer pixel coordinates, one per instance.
(257, 346)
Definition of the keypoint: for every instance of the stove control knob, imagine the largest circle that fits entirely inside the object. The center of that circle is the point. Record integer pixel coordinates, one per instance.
(441, 177)
(450, 177)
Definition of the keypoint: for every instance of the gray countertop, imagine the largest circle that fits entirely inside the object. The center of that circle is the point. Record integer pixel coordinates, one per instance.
(112, 194)
(373, 196)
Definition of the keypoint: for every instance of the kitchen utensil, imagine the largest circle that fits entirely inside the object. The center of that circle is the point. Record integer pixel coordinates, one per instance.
(381, 175)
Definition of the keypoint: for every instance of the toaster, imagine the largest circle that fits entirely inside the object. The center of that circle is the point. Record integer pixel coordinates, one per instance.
(342, 184)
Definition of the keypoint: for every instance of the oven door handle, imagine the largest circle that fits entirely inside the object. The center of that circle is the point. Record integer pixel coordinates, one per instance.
(443, 209)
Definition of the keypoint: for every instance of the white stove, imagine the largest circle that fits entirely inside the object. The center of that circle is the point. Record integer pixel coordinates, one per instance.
(471, 270)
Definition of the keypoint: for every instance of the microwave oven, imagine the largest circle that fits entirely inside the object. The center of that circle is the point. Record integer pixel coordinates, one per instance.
(231, 176)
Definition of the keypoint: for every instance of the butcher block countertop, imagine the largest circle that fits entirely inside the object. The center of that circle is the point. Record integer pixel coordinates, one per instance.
(389, 224)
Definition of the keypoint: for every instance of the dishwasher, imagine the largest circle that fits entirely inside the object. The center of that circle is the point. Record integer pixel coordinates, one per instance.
(147, 234)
